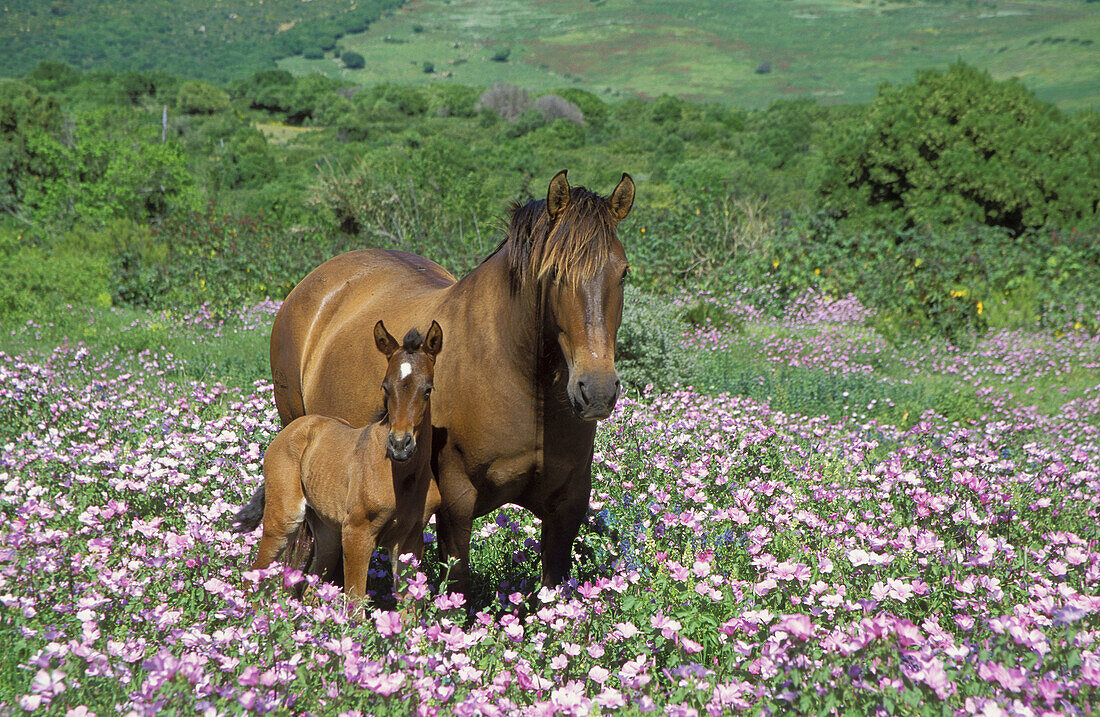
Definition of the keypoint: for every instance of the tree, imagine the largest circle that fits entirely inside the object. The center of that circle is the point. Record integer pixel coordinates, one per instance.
(353, 60)
(958, 147)
(201, 98)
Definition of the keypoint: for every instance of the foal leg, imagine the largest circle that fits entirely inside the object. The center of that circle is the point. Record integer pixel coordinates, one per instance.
(359, 542)
(326, 553)
(285, 507)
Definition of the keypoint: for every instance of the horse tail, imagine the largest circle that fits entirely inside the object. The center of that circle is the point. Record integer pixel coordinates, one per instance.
(249, 517)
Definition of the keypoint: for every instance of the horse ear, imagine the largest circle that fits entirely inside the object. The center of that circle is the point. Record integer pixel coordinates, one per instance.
(382, 339)
(433, 342)
(557, 197)
(622, 199)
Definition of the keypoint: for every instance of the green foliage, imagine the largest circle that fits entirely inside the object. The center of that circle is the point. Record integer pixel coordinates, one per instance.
(206, 258)
(648, 350)
(24, 114)
(353, 60)
(198, 97)
(594, 109)
(959, 148)
(215, 41)
(107, 171)
(41, 279)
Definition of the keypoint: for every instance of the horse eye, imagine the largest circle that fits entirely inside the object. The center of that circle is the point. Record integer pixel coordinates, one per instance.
(428, 391)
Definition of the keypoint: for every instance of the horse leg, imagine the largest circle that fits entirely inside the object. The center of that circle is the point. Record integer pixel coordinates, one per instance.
(327, 553)
(454, 522)
(358, 544)
(285, 508)
(561, 521)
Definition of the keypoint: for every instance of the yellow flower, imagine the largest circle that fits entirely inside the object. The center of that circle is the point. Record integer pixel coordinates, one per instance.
(643, 230)
(979, 308)
(817, 272)
(775, 263)
(1076, 324)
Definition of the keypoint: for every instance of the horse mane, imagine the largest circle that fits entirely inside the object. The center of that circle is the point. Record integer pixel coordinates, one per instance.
(574, 249)
(412, 342)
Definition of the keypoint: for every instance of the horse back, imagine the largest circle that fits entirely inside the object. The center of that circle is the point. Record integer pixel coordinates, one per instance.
(330, 315)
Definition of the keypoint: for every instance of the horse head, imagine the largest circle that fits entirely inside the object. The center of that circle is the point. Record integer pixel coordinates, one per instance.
(574, 254)
(407, 387)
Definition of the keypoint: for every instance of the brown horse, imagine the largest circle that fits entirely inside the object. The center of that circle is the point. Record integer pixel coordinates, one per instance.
(359, 488)
(531, 364)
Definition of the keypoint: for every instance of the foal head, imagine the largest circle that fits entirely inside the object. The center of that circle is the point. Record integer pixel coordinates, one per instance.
(408, 384)
(569, 243)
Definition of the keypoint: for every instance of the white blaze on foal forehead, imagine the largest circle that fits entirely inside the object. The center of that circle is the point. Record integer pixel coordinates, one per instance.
(406, 369)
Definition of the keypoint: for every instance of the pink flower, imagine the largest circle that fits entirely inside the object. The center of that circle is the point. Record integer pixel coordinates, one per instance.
(598, 674)
(824, 564)
(858, 557)
(690, 646)
(626, 630)
(797, 626)
(678, 572)
(387, 622)
(665, 624)
(764, 586)
(610, 698)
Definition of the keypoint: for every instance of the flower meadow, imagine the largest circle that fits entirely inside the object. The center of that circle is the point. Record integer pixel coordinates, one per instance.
(737, 558)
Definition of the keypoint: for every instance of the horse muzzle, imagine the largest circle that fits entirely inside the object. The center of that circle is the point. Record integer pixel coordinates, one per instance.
(401, 448)
(593, 395)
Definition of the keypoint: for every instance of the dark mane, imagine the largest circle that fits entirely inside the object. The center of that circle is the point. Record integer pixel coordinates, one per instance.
(412, 342)
(574, 249)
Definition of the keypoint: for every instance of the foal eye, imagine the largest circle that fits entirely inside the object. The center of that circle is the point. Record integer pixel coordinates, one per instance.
(428, 391)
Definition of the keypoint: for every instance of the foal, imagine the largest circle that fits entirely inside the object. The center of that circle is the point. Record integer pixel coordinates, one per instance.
(359, 487)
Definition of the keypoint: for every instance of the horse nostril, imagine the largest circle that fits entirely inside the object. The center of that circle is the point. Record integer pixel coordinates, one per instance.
(582, 387)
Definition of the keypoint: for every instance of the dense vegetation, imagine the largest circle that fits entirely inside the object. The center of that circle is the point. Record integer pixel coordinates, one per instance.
(948, 215)
(213, 39)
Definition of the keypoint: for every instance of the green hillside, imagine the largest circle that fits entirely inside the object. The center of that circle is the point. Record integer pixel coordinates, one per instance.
(716, 50)
(748, 52)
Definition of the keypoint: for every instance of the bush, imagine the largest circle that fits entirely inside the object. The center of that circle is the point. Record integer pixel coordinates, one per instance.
(353, 60)
(506, 100)
(38, 281)
(554, 107)
(501, 55)
(648, 348)
(195, 98)
(958, 147)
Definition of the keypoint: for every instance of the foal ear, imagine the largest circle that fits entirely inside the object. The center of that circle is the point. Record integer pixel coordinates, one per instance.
(622, 199)
(557, 197)
(433, 342)
(382, 339)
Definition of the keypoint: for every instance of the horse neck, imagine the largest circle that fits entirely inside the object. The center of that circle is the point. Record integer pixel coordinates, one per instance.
(516, 315)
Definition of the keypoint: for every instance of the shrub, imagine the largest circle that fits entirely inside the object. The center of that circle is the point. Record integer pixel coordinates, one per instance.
(501, 55)
(428, 67)
(554, 107)
(593, 109)
(648, 349)
(353, 60)
(201, 98)
(958, 147)
(38, 281)
(508, 101)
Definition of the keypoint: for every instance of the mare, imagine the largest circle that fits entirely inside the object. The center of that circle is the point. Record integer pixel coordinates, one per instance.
(359, 488)
(530, 369)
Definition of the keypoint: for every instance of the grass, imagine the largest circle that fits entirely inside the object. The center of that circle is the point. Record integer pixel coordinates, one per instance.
(236, 358)
(710, 49)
